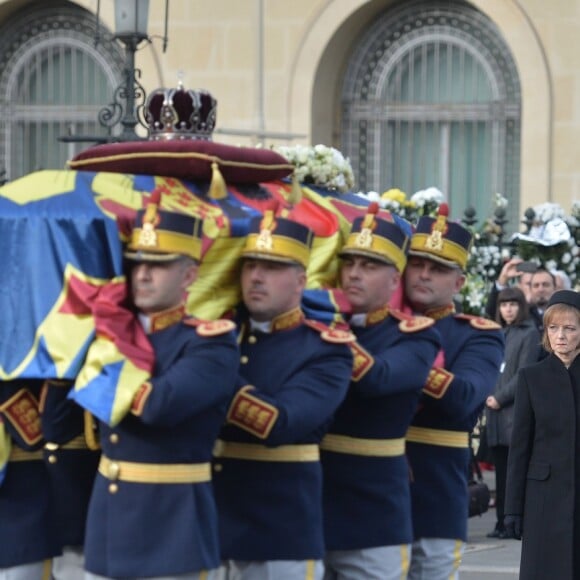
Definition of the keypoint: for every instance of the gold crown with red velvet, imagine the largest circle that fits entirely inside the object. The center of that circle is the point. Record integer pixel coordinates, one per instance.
(180, 114)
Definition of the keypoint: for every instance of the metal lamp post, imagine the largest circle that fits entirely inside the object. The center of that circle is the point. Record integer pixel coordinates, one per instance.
(131, 17)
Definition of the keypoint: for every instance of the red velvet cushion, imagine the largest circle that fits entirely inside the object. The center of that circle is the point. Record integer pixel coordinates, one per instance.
(187, 159)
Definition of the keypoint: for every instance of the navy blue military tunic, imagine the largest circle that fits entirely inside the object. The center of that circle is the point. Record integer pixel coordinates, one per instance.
(367, 501)
(452, 400)
(270, 506)
(27, 520)
(69, 458)
(137, 529)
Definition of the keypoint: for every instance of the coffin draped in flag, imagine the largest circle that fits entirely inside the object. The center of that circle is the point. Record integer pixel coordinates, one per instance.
(64, 308)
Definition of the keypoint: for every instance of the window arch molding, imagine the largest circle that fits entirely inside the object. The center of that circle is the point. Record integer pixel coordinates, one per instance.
(417, 40)
(54, 79)
(471, 138)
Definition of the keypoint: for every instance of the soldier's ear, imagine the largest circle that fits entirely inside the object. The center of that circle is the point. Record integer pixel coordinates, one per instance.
(190, 274)
(459, 281)
(396, 277)
(302, 278)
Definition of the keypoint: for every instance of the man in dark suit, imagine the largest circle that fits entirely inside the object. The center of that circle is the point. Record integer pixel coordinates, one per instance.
(542, 286)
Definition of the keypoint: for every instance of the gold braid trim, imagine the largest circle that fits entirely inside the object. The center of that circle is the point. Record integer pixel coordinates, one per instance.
(188, 155)
(90, 437)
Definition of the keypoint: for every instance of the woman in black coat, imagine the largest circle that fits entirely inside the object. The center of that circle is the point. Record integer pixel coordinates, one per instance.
(543, 484)
(522, 348)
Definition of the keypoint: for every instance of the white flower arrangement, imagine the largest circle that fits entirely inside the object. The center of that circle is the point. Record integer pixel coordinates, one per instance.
(553, 239)
(546, 212)
(424, 202)
(319, 165)
(484, 261)
(428, 197)
(473, 295)
(500, 201)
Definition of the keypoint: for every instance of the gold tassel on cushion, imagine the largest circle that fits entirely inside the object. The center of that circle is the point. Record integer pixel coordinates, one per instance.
(295, 196)
(217, 187)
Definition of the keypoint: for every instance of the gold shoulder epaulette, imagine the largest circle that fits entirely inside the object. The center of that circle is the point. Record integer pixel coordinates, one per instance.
(329, 334)
(410, 323)
(479, 322)
(211, 327)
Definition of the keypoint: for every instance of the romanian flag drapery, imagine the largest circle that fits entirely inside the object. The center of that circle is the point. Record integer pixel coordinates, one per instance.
(58, 249)
(64, 261)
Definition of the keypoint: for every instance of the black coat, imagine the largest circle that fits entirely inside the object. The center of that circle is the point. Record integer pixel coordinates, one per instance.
(522, 348)
(542, 471)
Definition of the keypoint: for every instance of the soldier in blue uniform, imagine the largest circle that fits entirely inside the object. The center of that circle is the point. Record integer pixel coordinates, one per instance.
(453, 396)
(71, 454)
(28, 536)
(294, 373)
(152, 512)
(367, 501)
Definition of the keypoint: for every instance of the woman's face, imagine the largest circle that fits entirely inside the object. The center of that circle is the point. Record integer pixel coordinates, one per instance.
(564, 334)
(509, 311)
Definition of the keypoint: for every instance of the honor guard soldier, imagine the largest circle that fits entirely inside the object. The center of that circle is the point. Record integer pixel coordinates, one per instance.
(152, 512)
(28, 526)
(71, 454)
(367, 501)
(294, 373)
(453, 396)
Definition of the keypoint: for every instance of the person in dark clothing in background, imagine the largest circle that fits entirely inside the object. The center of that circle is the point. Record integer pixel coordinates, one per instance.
(522, 348)
(542, 500)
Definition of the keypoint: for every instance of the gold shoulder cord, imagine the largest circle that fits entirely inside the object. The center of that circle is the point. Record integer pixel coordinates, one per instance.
(90, 437)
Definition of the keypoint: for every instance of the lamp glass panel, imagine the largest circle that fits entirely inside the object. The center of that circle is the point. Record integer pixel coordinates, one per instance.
(131, 17)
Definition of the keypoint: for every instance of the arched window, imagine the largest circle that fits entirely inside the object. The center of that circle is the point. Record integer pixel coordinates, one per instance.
(53, 83)
(431, 97)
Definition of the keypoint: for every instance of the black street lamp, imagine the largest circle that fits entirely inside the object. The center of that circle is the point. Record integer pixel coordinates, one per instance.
(131, 17)
(126, 108)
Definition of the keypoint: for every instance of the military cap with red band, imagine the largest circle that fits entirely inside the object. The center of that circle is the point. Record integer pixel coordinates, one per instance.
(441, 240)
(161, 236)
(377, 238)
(278, 239)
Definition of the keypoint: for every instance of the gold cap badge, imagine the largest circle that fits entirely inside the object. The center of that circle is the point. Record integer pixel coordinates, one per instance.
(264, 241)
(148, 235)
(365, 237)
(435, 240)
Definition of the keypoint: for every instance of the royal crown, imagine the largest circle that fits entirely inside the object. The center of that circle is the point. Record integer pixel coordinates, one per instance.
(180, 114)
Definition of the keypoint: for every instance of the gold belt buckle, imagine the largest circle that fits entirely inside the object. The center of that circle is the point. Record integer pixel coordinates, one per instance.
(113, 471)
